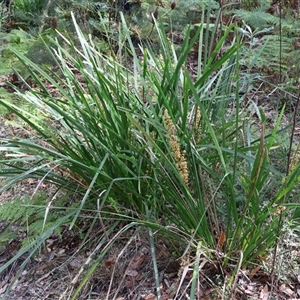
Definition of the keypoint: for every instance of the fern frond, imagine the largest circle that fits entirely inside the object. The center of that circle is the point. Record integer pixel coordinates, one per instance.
(256, 18)
(28, 214)
(12, 211)
(271, 57)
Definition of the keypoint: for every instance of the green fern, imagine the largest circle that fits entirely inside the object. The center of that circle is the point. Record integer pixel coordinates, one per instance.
(28, 215)
(257, 18)
(276, 46)
(12, 211)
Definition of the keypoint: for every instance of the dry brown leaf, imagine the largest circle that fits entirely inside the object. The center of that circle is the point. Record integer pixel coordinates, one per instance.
(149, 297)
(3, 287)
(200, 294)
(42, 267)
(76, 263)
(163, 253)
(208, 292)
(129, 282)
(289, 292)
(251, 290)
(264, 294)
(43, 277)
(131, 273)
(282, 287)
(206, 298)
(254, 272)
(110, 261)
(221, 241)
(137, 261)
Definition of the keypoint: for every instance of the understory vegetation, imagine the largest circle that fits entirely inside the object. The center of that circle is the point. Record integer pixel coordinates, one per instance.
(174, 119)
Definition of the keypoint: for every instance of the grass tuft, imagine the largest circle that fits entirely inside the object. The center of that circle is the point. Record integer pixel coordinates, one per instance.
(147, 143)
